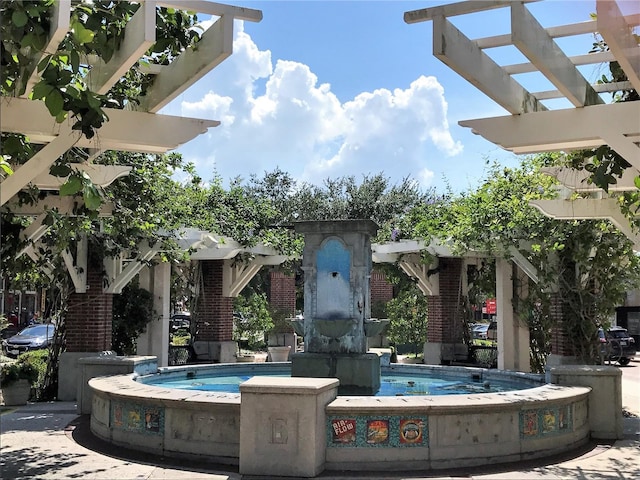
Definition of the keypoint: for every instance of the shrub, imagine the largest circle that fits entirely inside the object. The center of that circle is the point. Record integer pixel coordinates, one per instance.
(11, 372)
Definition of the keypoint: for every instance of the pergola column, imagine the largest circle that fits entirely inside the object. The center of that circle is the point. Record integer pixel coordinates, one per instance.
(214, 336)
(155, 339)
(88, 325)
(445, 314)
(513, 337)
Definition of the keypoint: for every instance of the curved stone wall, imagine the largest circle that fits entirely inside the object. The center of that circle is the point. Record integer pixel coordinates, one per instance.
(361, 433)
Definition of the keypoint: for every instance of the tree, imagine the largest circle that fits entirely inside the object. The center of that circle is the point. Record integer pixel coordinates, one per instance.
(589, 263)
(408, 315)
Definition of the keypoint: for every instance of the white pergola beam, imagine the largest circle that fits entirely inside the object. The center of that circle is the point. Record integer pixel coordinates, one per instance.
(453, 9)
(139, 36)
(236, 276)
(613, 124)
(577, 180)
(60, 21)
(78, 268)
(465, 58)
(37, 164)
(598, 87)
(101, 175)
(215, 45)
(588, 209)
(117, 283)
(126, 130)
(618, 34)
(33, 233)
(413, 266)
(536, 44)
(524, 264)
(213, 8)
(64, 205)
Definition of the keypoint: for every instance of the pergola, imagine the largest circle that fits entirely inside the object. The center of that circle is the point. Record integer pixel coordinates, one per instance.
(531, 127)
(141, 130)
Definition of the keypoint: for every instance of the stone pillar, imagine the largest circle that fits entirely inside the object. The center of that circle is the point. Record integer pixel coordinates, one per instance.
(88, 324)
(513, 338)
(214, 316)
(283, 425)
(445, 315)
(155, 339)
(605, 399)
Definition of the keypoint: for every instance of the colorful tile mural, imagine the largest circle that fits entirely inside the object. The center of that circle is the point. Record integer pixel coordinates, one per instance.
(377, 431)
(137, 418)
(545, 421)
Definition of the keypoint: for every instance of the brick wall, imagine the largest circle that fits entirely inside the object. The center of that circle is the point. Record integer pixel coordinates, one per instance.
(89, 318)
(445, 310)
(282, 292)
(214, 312)
(381, 290)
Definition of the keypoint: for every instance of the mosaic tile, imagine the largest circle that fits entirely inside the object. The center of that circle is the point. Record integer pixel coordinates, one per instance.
(137, 418)
(376, 431)
(545, 421)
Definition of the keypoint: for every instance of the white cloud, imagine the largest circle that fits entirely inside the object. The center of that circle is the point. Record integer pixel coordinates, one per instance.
(282, 117)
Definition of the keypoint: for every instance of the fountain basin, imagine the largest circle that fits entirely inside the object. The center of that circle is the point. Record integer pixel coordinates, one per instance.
(375, 326)
(334, 328)
(383, 433)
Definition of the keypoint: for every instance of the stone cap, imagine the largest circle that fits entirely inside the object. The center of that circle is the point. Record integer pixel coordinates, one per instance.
(289, 385)
(336, 226)
(117, 359)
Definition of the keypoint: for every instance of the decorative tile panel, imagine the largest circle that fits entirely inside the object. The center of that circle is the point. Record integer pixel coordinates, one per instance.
(542, 422)
(377, 431)
(137, 418)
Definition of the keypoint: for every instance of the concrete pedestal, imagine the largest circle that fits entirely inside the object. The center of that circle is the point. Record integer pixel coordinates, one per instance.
(104, 365)
(282, 425)
(358, 374)
(605, 399)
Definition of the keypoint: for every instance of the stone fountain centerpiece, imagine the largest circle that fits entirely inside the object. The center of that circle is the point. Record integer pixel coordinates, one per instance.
(337, 269)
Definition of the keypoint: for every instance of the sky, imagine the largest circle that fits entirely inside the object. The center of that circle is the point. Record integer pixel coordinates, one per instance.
(325, 89)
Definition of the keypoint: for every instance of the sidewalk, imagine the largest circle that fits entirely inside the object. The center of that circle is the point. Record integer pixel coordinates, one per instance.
(50, 441)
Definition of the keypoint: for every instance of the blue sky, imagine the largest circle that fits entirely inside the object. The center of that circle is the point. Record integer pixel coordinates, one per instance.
(325, 89)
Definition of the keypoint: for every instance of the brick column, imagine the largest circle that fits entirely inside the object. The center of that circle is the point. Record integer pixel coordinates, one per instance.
(381, 290)
(214, 311)
(88, 324)
(282, 292)
(89, 317)
(445, 313)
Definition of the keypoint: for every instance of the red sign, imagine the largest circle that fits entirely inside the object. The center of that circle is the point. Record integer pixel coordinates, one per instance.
(492, 307)
(344, 430)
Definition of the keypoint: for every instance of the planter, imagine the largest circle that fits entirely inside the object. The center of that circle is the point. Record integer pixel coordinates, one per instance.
(17, 393)
(279, 354)
(245, 358)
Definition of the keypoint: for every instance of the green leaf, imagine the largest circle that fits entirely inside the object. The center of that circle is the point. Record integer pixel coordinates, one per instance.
(54, 102)
(19, 18)
(71, 186)
(81, 34)
(60, 170)
(92, 199)
(41, 90)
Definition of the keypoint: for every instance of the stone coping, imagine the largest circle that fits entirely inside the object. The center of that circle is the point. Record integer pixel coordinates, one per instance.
(582, 370)
(293, 385)
(450, 404)
(111, 359)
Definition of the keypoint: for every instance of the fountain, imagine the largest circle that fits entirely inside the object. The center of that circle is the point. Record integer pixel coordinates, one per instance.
(337, 265)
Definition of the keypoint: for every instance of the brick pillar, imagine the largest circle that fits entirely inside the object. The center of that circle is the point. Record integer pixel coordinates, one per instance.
(214, 312)
(445, 312)
(381, 290)
(282, 292)
(89, 317)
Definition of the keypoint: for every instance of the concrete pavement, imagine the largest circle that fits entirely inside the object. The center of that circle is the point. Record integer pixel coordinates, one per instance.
(50, 441)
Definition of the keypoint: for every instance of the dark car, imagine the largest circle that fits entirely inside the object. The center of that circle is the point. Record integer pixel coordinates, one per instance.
(617, 345)
(180, 321)
(34, 337)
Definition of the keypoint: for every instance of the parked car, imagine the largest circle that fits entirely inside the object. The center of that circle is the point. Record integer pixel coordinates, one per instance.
(617, 345)
(479, 331)
(34, 337)
(180, 321)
